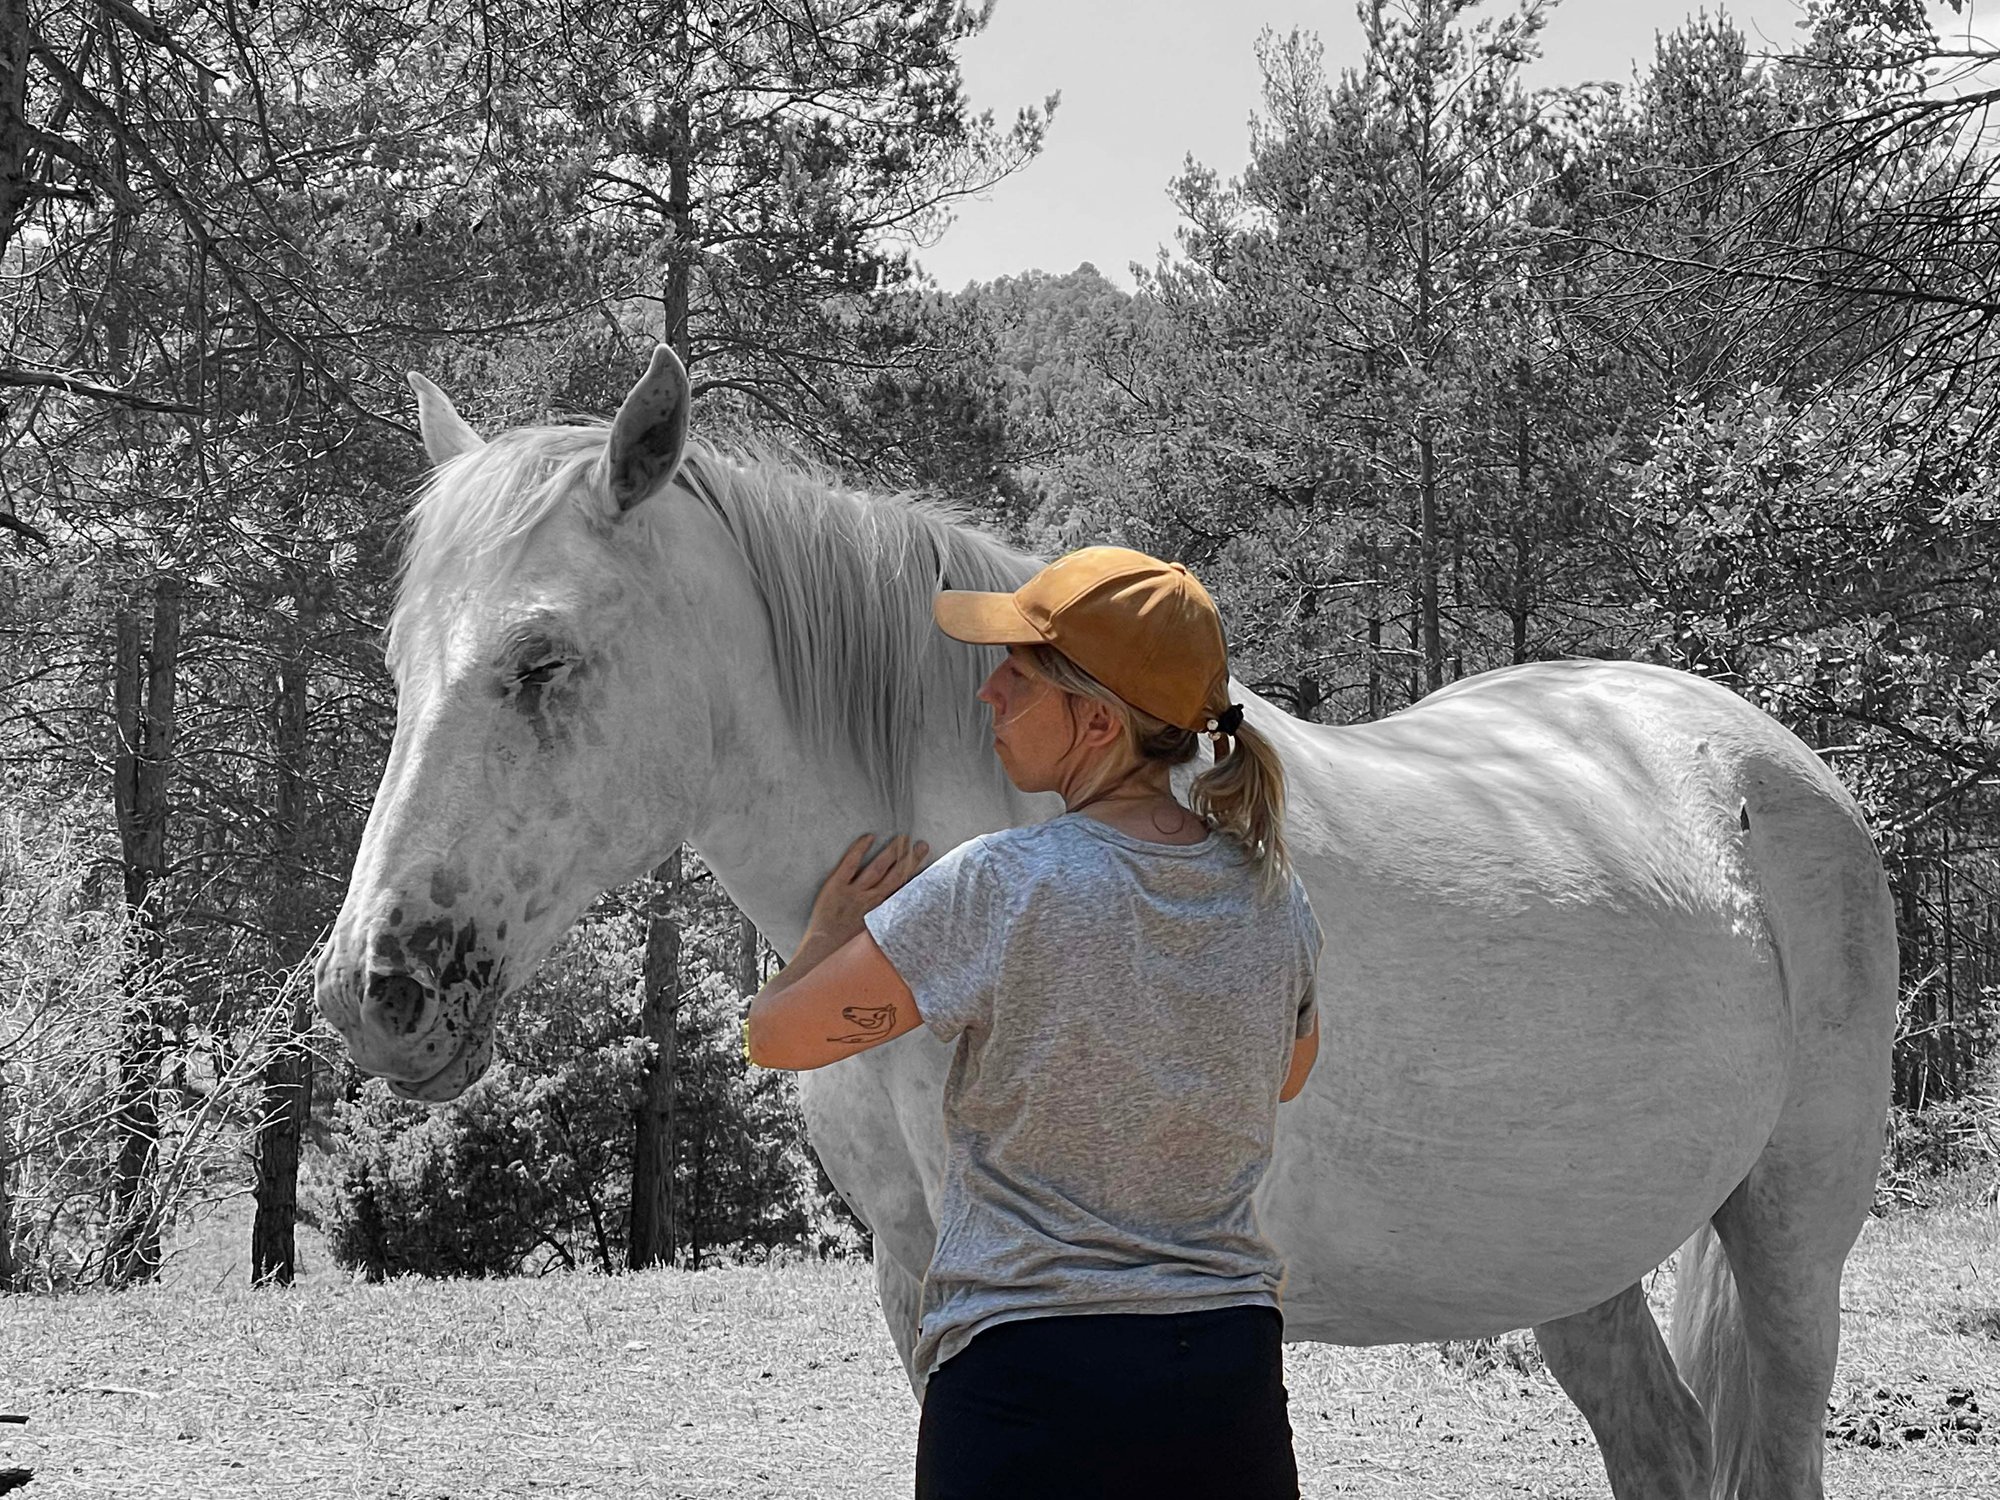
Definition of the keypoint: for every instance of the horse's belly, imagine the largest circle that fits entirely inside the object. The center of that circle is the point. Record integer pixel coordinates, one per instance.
(1504, 1137)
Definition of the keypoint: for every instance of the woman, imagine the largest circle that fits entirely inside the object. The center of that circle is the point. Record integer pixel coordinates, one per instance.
(1130, 987)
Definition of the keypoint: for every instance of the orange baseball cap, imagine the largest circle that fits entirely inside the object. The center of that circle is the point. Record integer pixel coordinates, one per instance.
(1146, 629)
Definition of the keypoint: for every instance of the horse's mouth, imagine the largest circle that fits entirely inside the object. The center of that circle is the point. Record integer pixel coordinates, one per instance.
(466, 1068)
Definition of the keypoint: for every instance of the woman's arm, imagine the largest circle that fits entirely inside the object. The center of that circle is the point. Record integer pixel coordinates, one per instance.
(839, 995)
(840, 1003)
(1304, 1051)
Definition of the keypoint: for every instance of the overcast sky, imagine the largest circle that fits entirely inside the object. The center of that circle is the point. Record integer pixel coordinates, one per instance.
(1146, 83)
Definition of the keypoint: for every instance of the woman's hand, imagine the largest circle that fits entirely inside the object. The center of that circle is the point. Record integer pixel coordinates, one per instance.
(853, 889)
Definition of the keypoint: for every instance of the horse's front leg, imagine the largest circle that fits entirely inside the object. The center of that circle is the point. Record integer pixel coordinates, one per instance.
(901, 1291)
(869, 1119)
(1650, 1429)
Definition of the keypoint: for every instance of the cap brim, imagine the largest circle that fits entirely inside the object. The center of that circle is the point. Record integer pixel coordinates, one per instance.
(983, 619)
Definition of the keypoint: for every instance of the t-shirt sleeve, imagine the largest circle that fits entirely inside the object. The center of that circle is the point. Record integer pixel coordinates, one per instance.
(1313, 940)
(1308, 1021)
(942, 933)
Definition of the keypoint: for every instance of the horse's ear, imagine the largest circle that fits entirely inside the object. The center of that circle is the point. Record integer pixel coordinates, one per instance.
(446, 434)
(649, 434)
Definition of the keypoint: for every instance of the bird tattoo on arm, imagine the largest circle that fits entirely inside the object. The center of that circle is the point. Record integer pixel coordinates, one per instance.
(870, 1022)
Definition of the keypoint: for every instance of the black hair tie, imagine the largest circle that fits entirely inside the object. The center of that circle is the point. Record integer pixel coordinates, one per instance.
(1228, 721)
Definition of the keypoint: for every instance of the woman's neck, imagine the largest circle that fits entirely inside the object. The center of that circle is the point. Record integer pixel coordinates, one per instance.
(1141, 803)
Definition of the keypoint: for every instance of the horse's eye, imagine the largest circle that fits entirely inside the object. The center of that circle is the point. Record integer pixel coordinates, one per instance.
(542, 673)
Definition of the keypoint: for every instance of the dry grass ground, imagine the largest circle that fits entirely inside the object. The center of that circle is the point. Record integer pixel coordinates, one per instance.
(781, 1383)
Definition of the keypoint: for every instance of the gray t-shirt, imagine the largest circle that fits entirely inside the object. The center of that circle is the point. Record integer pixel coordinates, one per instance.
(1125, 1013)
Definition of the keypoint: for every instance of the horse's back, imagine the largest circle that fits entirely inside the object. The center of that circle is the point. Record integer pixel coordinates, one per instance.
(1580, 777)
(1558, 1029)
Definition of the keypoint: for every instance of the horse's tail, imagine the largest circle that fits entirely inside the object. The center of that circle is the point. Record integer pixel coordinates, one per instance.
(1709, 1348)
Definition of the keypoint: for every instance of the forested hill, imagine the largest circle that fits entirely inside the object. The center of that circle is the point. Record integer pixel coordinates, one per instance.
(1698, 370)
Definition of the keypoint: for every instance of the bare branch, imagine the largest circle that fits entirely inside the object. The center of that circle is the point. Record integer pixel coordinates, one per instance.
(46, 379)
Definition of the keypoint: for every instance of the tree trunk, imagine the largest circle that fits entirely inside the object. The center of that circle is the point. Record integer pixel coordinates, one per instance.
(14, 186)
(1909, 1061)
(680, 167)
(650, 1241)
(287, 1103)
(749, 972)
(1429, 642)
(287, 1073)
(1374, 667)
(144, 708)
(1944, 1040)
(1523, 601)
(698, 1193)
(652, 1228)
(6, 1209)
(1427, 556)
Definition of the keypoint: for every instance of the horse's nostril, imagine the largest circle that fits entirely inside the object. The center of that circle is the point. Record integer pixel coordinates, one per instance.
(395, 1003)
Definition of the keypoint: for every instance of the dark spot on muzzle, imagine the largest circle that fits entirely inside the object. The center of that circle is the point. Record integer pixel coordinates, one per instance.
(446, 887)
(386, 954)
(450, 949)
(426, 991)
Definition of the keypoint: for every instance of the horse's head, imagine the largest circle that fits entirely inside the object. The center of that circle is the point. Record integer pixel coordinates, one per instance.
(545, 747)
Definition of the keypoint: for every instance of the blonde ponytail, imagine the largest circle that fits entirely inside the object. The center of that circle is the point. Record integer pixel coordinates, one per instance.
(1243, 794)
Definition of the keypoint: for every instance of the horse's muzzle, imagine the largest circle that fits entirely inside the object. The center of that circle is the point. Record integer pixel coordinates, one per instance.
(399, 1027)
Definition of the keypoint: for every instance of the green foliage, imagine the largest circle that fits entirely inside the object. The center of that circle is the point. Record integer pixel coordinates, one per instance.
(745, 178)
(739, 1144)
(1358, 402)
(930, 416)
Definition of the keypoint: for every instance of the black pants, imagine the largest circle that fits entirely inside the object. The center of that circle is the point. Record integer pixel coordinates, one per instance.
(1154, 1406)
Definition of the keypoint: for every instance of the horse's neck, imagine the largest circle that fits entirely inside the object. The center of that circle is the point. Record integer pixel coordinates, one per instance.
(783, 813)
(779, 810)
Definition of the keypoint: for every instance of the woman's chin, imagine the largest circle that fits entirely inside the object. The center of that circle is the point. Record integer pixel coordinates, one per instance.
(1028, 784)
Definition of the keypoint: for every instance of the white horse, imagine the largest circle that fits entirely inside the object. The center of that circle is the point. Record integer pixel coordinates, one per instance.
(1610, 961)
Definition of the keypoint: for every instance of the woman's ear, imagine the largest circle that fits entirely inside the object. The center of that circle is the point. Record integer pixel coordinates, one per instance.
(1099, 724)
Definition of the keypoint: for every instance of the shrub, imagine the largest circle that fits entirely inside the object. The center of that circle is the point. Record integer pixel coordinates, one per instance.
(489, 1185)
(1945, 1151)
(741, 1172)
(68, 990)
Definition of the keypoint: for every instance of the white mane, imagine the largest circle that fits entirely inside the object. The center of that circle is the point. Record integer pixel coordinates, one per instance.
(846, 578)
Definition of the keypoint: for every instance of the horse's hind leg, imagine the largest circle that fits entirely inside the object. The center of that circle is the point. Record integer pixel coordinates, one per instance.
(1757, 1329)
(1650, 1429)
(1756, 1325)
